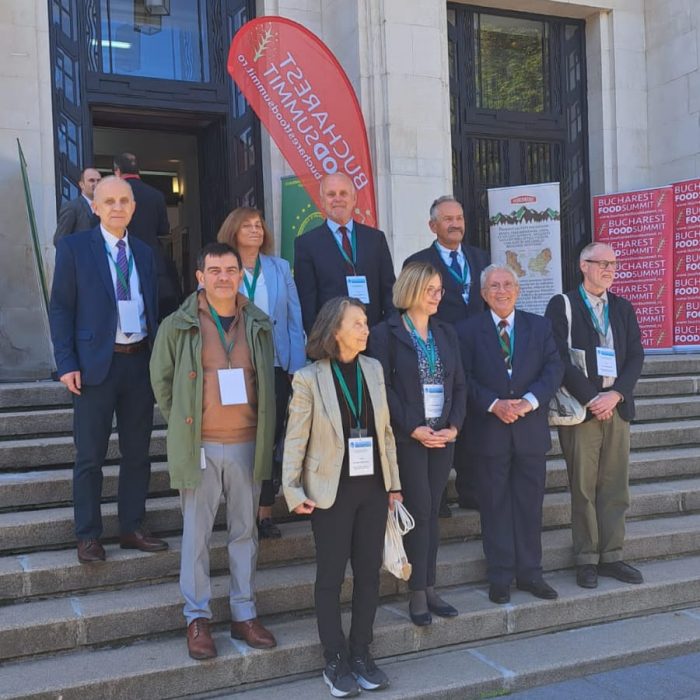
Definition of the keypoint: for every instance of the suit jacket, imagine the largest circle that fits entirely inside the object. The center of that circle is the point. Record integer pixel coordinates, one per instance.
(319, 271)
(537, 368)
(315, 445)
(452, 307)
(391, 344)
(83, 308)
(74, 216)
(285, 313)
(629, 352)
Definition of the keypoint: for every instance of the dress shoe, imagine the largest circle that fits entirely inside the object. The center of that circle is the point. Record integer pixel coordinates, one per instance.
(253, 633)
(621, 571)
(539, 588)
(140, 539)
(90, 551)
(445, 511)
(499, 593)
(442, 609)
(199, 642)
(420, 619)
(267, 530)
(587, 576)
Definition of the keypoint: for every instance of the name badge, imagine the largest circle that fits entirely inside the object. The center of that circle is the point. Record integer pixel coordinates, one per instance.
(129, 320)
(433, 400)
(361, 456)
(232, 387)
(357, 288)
(607, 367)
(202, 458)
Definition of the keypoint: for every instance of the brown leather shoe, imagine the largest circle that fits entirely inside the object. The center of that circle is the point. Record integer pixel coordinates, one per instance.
(90, 551)
(140, 539)
(254, 634)
(199, 642)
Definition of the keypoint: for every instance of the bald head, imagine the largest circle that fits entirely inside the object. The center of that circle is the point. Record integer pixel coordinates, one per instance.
(338, 197)
(114, 203)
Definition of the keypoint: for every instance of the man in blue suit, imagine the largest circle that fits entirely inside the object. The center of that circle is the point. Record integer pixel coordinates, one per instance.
(103, 317)
(342, 257)
(513, 369)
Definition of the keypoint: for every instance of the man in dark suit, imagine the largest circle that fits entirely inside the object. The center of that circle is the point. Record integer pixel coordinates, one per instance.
(596, 451)
(342, 258)
(149, 221)
(513, 369)
(461, 266)
(103, 317)
(77, 215)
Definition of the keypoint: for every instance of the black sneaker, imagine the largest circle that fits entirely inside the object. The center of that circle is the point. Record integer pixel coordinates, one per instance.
(366, 673)
(267, 530)
(339, 679)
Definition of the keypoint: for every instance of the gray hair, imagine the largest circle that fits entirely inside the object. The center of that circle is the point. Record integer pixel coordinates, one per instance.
(588, 249)
(322, 344)
(496, 268)
(436, 205)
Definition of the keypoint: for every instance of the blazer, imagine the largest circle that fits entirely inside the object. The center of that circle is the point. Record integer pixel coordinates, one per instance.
(284, 312)
(314, 446)
(629, 352)
(537, 368)
(83, 307)
(452, 307)
(391, 344)
(75, 215)
(319, 271)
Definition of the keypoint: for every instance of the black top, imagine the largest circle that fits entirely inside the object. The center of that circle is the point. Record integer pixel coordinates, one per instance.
(349, 372)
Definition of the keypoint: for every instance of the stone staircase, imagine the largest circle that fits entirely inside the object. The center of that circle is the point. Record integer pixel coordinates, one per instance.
(115, 629)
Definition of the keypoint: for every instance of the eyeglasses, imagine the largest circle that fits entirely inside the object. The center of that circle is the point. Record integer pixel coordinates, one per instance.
(506, 286)
(435, 292)
(604, 264)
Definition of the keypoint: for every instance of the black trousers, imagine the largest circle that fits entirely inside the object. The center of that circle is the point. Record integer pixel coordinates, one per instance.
(511, 489)
(424, 473)
(352, 528)
(125, 391)
(283, 389)
(465, 471)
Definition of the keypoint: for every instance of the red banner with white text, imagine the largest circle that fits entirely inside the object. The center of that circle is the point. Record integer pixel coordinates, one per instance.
(304, 98)
(686, 312)
(639, 227)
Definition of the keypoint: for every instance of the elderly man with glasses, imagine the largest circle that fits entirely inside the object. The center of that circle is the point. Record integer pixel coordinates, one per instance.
(596, 451)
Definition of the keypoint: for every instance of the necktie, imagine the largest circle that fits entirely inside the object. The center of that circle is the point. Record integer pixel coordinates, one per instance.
(123, 291)
(347, 248)
(505, 342)
(454, 264)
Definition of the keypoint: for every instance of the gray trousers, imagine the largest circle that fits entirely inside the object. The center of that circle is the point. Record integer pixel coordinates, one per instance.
(597, 460)
(229, 471)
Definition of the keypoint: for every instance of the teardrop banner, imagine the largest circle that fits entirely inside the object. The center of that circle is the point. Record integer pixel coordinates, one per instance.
(302, 95)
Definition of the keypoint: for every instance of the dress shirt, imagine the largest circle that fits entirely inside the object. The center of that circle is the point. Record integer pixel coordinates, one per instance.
(134, 287)
(598, 305)
(334, 227)
(445, 254)
(510, 328)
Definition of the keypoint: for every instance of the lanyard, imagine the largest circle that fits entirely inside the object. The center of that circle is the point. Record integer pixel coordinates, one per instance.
(120, 275)
(463, 279)
(353, 245)
(602, 332)
(507, 349)
(428, 349)
(222, 335)
(346, 392)
(250, 288)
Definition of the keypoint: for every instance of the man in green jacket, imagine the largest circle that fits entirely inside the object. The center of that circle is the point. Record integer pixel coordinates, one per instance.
(212, 371)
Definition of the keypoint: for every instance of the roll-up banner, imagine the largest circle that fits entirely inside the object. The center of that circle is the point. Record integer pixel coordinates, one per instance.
(303, 97)
(686, 288)
(525, 226)
(639, 227)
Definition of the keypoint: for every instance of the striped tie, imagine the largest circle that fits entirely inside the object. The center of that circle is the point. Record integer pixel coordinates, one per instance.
(123, 292)
(505, 342)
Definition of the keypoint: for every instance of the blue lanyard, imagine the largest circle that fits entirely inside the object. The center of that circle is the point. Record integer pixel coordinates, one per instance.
(428, 349)
(602, 332)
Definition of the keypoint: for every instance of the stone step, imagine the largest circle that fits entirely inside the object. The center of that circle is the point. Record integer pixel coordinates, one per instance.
(56, 451)
(667, 386)
(675, 363)
(161, 668)
(667, 408)
(53, 527)
(54, 573)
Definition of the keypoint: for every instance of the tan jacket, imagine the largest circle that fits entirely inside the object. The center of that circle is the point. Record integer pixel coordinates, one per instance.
(314, 446)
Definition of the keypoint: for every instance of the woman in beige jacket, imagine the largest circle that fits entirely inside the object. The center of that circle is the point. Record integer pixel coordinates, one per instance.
(339, 465)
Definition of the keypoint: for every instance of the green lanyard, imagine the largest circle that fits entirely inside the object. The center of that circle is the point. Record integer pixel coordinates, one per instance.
(464, 278)
(353, 245)
(602, 332)
(507, 349)
(125, 283)
(250, 288)
(227, 346)
(428, 349)
(355, 409)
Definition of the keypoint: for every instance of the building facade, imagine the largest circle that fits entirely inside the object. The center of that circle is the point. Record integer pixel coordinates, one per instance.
(601, 96)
